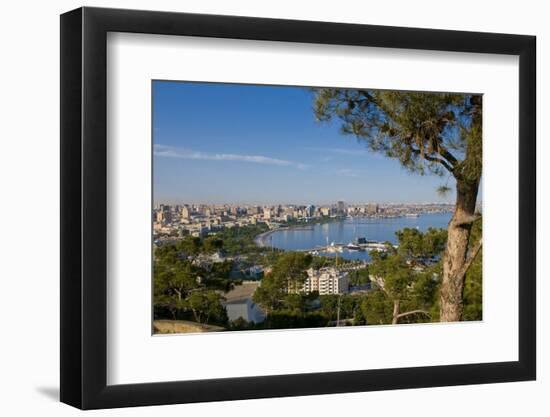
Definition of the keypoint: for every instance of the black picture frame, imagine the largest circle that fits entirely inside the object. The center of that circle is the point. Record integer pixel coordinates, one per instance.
(84, 207)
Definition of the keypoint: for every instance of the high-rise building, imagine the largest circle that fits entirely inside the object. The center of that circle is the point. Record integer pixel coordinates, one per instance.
(164, 216)
(341, 208)
(325, 211)
(185, 214)
(372, 209)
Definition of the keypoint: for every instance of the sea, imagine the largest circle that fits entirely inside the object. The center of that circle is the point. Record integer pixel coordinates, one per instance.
(346, 231)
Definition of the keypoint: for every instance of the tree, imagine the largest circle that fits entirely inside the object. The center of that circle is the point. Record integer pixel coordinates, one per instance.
(269, 295)
(290, 270)
(190, 246)
(375, 309)
(395, 278)
(288, 276)
(206, 306)
(296, 303)
(334, 306)
(177, 281)
(359, 276)
(437, 133)
(173, 280)
(184, 289)
(241, 324)
(415, 245)
(212, 244)
(408, 276)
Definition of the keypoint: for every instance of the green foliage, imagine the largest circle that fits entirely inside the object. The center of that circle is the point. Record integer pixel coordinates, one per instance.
(376, 308)
(185, 290)
(176, 279)
(347, 304)
(296, 303)
(263, 256)
(218, 276)
(206, 306)
(473, 286)
(212, 244)
(221, 269)
(403, 277)
(424, 291)
(270, 294)
(167, 255)
(395, 273)
(241, 324)
(190, 246)
(240, 240)
(329, 306)
(289, 273)
(290, 269)
(319, 262)
(415, 244)
(359, 277)
(443, 190)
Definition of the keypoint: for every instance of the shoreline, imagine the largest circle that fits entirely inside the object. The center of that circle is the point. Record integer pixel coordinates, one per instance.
(261, 239)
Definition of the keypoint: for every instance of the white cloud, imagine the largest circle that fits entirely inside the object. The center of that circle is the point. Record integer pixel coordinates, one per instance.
(171, 152)
(340, 151)
(347, 172)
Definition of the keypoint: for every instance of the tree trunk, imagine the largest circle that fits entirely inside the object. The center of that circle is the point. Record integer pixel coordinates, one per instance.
(455, 256)
(395, 315)
(197, 316)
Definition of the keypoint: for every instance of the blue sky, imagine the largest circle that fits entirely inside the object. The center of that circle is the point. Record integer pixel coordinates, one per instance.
(230, 143)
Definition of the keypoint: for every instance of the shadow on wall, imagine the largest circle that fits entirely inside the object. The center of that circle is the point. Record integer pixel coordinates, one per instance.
(50, 392)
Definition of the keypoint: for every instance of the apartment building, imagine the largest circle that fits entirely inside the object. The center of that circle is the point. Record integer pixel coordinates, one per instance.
(326, 281)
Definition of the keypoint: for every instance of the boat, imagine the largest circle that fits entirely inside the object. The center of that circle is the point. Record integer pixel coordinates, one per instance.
(411, 215)
(376, 246)
(353, 247)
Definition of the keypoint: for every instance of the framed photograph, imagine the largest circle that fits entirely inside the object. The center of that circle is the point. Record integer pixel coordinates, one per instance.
(259, 208)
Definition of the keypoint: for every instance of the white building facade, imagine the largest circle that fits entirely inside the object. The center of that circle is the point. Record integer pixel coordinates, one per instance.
(326, 281)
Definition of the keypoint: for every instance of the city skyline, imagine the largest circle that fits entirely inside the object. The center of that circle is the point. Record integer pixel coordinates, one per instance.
(245, 144)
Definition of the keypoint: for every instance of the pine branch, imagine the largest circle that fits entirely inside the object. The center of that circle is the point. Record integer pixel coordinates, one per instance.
(449, 167)
(408, 313)
(447, 155)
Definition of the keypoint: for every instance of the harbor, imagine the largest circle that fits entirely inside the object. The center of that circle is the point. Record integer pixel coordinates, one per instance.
(350, 238)
(359, 244)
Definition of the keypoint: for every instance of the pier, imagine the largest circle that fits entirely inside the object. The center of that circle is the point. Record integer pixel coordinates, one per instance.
(341, 247)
